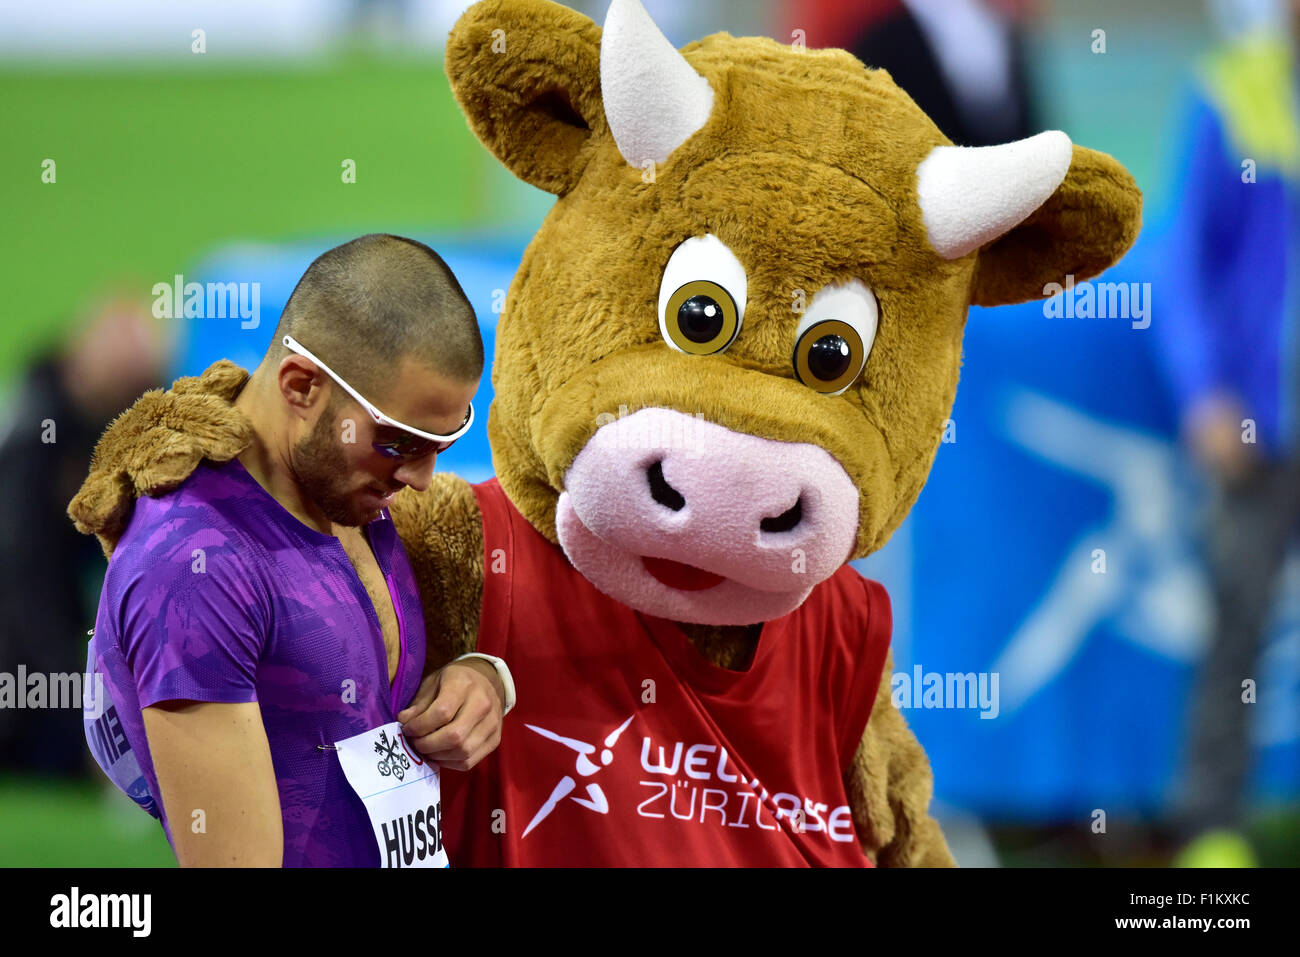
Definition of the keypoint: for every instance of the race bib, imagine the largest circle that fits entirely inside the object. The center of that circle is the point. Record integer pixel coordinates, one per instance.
(400, 791)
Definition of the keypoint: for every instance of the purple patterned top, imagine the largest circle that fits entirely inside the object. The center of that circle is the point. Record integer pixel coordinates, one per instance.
(216, 593)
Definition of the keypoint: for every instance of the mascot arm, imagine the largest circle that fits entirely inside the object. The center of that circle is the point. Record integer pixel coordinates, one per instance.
(889, 786)
(442, 531)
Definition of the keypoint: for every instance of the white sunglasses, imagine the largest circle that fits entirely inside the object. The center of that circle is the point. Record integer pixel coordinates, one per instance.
(413, 443)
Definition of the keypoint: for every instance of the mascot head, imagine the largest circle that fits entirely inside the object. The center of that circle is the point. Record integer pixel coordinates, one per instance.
(724, 366)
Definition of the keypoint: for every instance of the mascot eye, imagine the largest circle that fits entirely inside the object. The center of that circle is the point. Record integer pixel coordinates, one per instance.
(701, 318)
(835, 337)
(702, 297)
(828, 356)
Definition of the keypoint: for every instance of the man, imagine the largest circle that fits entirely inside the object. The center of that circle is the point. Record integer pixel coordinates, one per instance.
(263, 613)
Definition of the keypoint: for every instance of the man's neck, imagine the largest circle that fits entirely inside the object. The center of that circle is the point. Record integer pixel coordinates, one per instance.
(267, 457)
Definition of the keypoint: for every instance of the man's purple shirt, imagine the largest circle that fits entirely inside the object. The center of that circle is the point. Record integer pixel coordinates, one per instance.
(216, 593)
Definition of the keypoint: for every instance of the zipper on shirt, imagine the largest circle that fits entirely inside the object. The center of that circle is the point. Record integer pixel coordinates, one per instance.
(377, 629)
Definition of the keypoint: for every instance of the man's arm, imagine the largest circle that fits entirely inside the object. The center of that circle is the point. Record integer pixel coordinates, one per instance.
(213, 765)
(191, 631)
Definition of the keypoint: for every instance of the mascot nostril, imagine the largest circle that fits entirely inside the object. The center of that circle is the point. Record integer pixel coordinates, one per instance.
(661, 491)
(737, 681)
(786, 520)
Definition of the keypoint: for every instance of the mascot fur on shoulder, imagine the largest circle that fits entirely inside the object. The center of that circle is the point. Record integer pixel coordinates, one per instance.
(722, 373)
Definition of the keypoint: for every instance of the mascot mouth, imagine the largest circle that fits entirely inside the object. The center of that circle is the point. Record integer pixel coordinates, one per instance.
(680, 575)
(670, 589)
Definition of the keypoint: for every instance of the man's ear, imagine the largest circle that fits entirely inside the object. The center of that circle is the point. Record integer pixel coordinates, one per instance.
(527, 75)
(301, 384)
(1083, 228)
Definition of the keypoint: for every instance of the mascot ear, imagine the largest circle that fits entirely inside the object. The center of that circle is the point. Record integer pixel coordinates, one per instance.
(527, 76)
(1037, 210)
(1083, 229)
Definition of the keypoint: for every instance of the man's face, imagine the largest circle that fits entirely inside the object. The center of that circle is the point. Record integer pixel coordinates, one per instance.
(338, 467)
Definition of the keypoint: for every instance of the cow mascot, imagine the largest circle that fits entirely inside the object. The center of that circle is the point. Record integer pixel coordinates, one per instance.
(722, 373)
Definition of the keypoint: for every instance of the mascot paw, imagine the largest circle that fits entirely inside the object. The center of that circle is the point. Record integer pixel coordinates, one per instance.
(152, 447)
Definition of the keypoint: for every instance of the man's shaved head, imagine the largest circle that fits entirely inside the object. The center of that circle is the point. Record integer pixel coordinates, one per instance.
(367, 305)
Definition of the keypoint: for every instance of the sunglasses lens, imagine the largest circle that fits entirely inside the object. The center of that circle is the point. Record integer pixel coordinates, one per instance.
(410, 447)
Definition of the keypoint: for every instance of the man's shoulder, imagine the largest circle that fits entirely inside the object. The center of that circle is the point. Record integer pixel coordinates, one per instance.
(185, 560)
(208, 512)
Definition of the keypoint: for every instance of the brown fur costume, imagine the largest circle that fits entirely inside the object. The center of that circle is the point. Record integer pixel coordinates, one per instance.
(807, 169)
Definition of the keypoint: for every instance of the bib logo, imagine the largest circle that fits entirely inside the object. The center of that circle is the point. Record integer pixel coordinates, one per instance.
(595, 799)
(391, 762)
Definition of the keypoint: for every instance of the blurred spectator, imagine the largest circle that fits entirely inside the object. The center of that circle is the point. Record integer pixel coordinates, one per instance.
(962, 61)
(1231, 342)
(50, 575)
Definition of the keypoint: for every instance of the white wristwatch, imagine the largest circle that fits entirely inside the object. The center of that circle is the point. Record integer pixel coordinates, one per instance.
(503, 672)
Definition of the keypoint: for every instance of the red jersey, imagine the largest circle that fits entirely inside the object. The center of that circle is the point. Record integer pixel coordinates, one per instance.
(629, 748)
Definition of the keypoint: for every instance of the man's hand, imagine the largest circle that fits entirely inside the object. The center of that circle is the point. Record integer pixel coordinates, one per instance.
(455, 718)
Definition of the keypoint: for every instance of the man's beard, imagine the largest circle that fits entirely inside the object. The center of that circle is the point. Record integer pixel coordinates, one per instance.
(317, 464)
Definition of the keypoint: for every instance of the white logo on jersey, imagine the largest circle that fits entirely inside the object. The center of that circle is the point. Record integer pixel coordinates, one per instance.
(595, 800)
